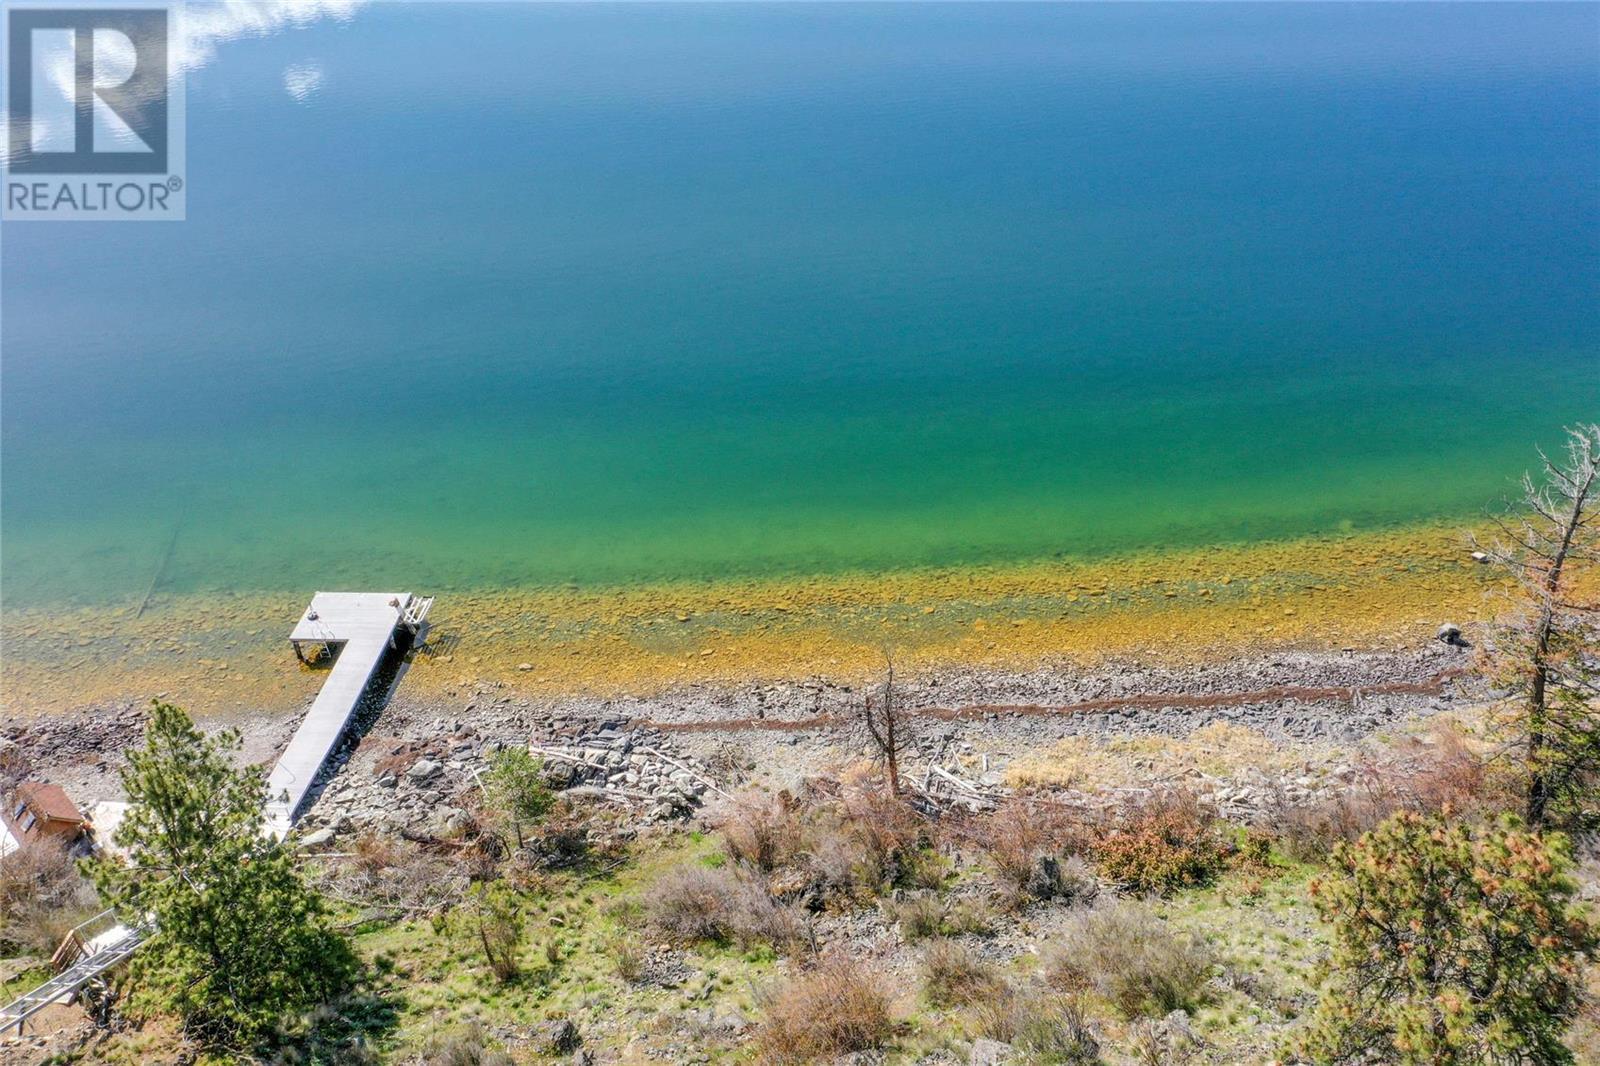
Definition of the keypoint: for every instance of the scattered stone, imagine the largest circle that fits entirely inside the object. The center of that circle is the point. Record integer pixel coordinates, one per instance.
(316, 839)
(556, 1036)
(990, 1053)
(423, 770)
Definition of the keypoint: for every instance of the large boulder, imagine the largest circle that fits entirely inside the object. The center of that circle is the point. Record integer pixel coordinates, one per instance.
(554, 1036)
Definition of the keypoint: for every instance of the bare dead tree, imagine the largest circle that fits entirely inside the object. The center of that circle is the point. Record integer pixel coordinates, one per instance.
(887, 726)
(1546, 651)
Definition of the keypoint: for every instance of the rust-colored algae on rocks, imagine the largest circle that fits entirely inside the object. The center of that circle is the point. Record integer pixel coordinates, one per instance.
(1360, 590)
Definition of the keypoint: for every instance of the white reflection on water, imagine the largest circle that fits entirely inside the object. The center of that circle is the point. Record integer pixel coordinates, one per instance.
(303, 80)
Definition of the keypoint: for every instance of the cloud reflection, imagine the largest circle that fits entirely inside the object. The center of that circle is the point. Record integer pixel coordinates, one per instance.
(199, 30)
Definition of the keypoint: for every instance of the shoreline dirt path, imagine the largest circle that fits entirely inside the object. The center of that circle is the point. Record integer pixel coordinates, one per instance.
(1434, 686)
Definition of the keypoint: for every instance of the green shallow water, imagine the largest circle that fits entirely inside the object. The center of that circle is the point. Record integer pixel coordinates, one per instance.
(525, 295)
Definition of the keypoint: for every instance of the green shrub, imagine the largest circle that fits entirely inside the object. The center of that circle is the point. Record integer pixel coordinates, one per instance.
(1452, 944)
(498, 925)
(514, 786)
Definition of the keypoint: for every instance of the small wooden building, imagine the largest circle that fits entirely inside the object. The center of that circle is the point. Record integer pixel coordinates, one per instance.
(39, 811)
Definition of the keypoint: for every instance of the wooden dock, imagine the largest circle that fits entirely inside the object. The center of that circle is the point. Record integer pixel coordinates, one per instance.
(360, 628)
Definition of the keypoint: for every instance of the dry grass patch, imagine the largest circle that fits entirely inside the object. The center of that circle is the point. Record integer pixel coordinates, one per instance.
(953, 974)
(471, 1045)
(42, 896)
(1047, 1028)
(1220, 749)
(1130, 957)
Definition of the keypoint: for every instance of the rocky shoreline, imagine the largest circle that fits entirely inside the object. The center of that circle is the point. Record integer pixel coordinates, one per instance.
(411, 764)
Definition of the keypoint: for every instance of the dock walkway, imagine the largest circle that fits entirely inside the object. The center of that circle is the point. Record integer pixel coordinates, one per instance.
(365, 626)
(360, 628)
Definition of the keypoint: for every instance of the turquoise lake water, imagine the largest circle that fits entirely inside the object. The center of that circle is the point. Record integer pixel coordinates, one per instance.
(511, 294)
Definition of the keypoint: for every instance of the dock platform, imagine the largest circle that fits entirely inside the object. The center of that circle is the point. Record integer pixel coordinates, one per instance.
(362, 627)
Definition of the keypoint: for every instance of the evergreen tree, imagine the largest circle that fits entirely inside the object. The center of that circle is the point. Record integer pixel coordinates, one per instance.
(515, 788)
(240, 944)
(1452, 945)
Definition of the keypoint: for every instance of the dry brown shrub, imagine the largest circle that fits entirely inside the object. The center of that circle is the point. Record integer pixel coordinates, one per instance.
(760, 830)
(1041, 1025)
(1133, 959)
(1309, 831)
(560, 841)
(1022, 832)
(1167, 841)
(835, 861)
(42, 896)
(868, 841)
(1451, 771)
(691, 904)
(953, 974)
(1445, 771)
(837, 1007)
(373, 852)
(888, 827)
(387, 871)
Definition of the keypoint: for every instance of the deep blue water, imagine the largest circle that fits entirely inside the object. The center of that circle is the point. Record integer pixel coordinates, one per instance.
(514, 293)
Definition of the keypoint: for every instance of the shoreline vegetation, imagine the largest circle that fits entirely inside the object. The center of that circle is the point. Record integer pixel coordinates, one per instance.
(223, 652)
(1398, 866)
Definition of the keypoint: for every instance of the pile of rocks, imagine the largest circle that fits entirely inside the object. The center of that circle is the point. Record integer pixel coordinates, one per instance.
(427, 784)
(618, 764)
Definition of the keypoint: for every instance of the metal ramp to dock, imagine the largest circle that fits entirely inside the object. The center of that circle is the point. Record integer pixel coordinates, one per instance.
(96, 957)
(366, 626)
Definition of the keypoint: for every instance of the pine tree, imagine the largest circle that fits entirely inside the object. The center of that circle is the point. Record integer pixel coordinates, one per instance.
(240, 945)
(1453, 944)
(515, 788)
